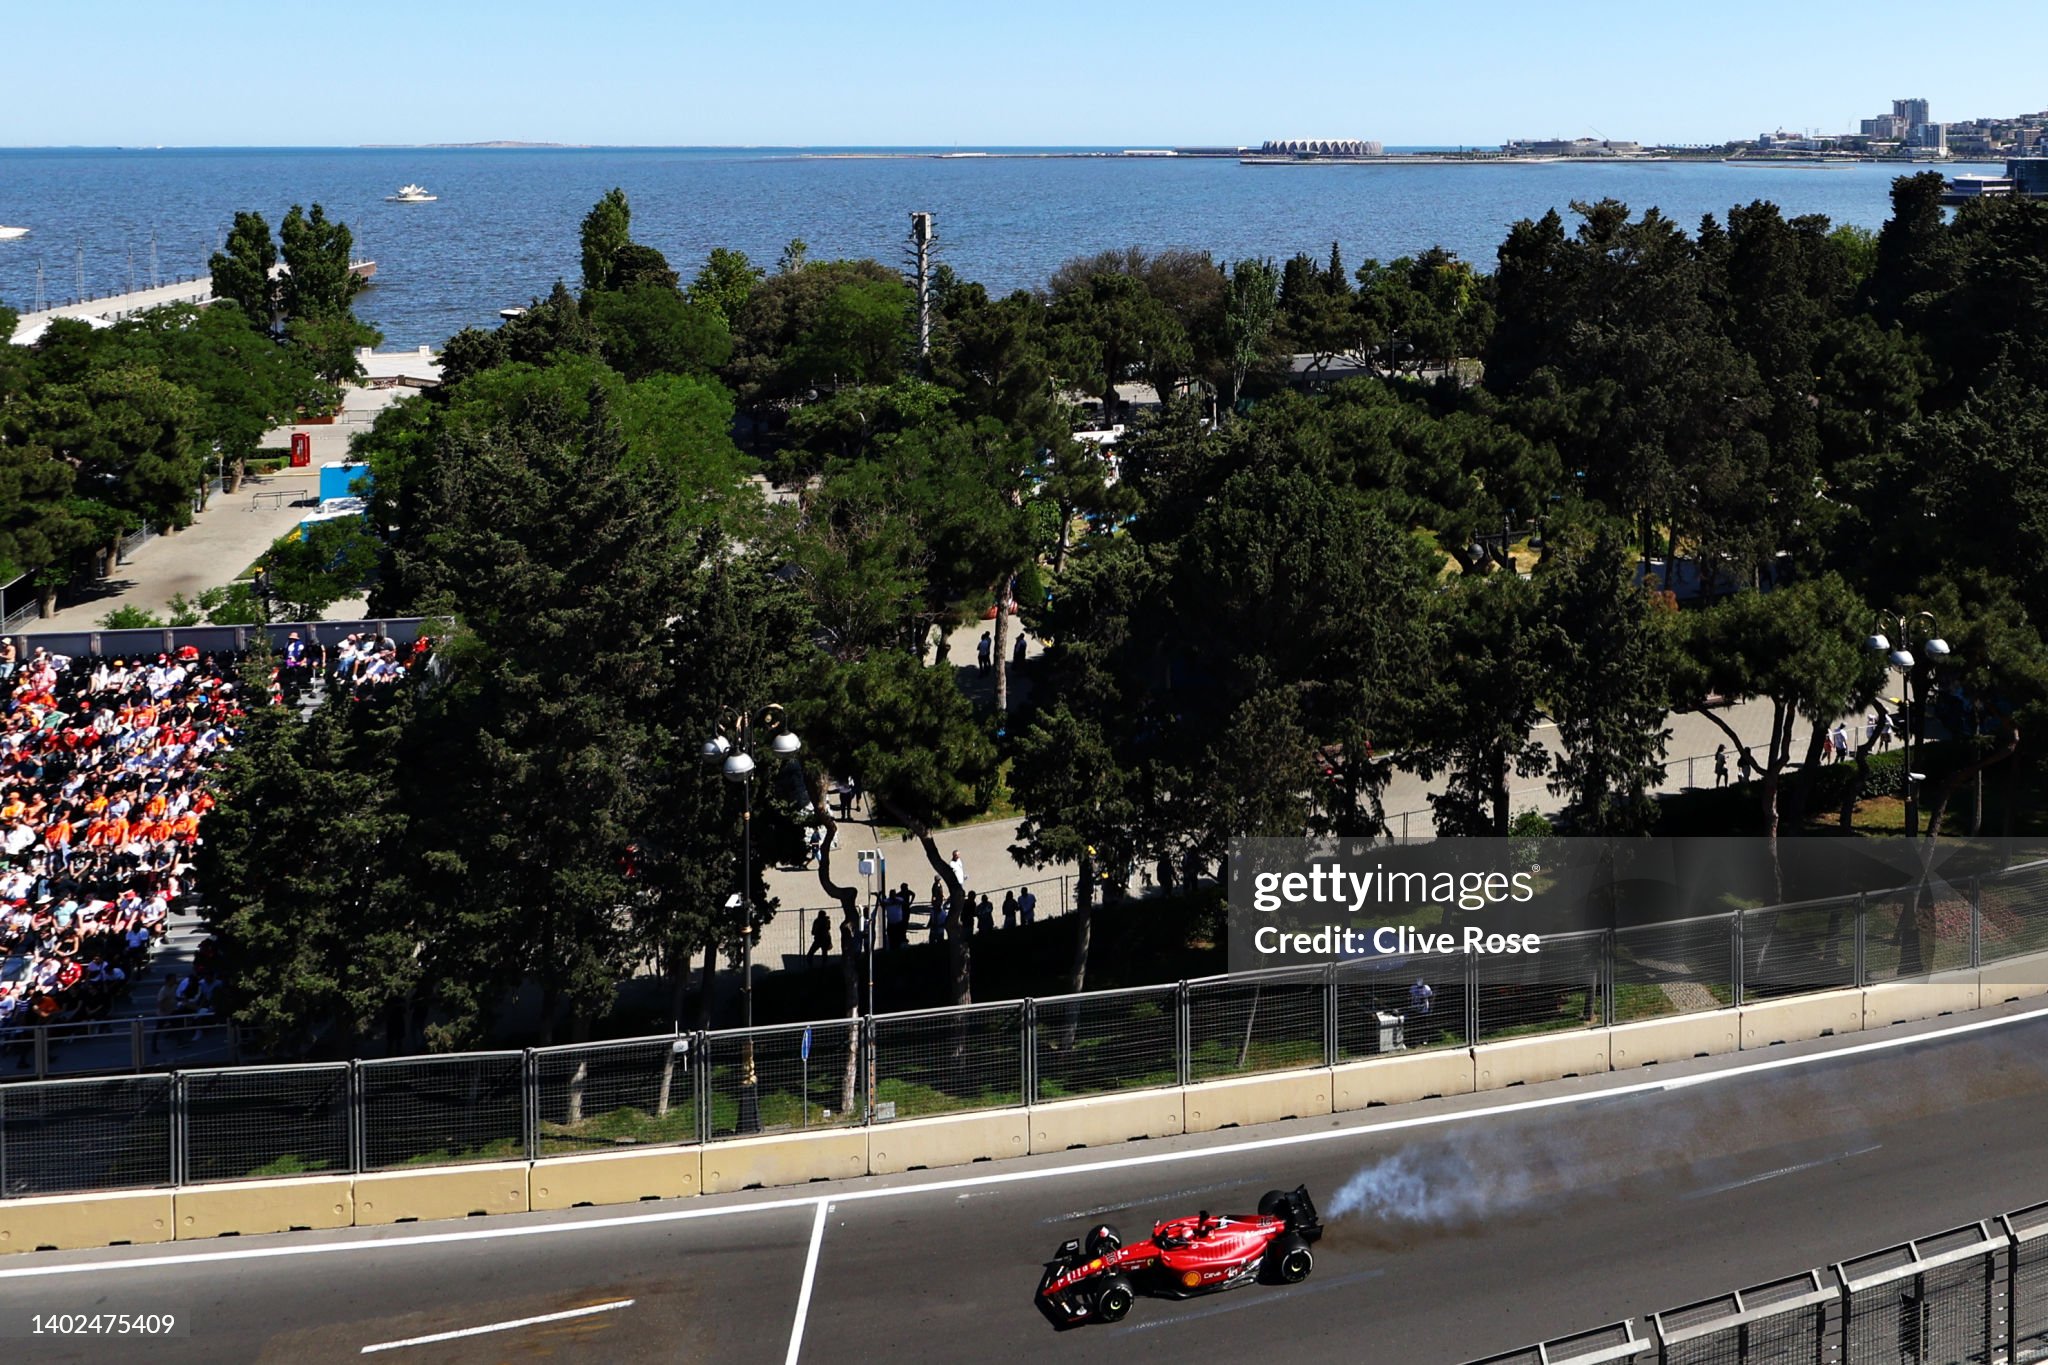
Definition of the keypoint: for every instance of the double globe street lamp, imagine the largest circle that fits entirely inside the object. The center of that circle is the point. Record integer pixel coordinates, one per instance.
(1910, 631)
(731, 750)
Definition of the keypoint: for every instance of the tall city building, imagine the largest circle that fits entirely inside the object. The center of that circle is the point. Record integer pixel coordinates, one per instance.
(1912, 113)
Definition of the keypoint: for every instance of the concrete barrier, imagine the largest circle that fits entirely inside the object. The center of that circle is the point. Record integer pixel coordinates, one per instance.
(1102, 1120)
(786, 1159)
(2020, 978)
(243, 1208)
(64, 1221)
(1920, 997)
(1397, 1077)
(564, 1182)
(1707, 1034)
(1254, 1099)
(948, 1140)
(1550, 1057)
(441, 1192)
(1799, 1017)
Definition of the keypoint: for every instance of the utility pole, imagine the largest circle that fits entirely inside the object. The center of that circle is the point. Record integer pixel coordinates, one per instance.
(922, 235)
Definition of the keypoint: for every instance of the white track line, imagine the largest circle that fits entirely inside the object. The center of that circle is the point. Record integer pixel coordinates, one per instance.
(803, 1298)
(176, 1258)
(499, 1326)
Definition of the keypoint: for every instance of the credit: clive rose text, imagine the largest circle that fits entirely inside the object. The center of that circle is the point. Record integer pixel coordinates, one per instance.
(1389, 940)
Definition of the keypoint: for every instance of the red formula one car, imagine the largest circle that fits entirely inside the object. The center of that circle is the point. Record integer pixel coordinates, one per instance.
(1097, 1279)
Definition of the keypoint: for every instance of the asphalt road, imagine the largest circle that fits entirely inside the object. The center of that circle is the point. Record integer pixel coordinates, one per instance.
(1489, 1222)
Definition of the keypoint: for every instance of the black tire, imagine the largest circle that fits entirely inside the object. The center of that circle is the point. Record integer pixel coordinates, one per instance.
(1291, 1260)
(1276, 1204)
(1103, 1238)
(1114, 1299)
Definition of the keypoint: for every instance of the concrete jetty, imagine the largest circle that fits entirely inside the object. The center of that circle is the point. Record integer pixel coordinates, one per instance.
(110, 309)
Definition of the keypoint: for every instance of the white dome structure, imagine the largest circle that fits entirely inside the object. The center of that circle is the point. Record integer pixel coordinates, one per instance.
(1330, 146)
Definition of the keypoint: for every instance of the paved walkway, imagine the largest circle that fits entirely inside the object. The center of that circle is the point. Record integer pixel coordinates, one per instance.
(230, 535)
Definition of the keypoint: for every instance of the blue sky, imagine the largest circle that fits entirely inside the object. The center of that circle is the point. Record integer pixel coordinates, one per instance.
(1050, 72)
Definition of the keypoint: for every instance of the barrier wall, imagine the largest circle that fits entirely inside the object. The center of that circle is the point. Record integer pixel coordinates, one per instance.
(1900, 1002)
(2020, 979)
(247, 1207)
(1400, 1077)
(616, 1178)
(441, 1192)
(794, 1159)
(1105, 1119)
(1673, 1040)
(252, 1207)
(1800, 1017)
(1255, 1099)
(1525, 1061)
(954, 1140)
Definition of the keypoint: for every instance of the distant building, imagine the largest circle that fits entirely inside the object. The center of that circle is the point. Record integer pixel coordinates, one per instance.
(1929, 138)
(1578, 146)
(1885, 128)
(1328, 146)
(1912, 113)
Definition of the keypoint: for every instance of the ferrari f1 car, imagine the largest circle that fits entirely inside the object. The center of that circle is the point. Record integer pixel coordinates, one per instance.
(1099, 1277)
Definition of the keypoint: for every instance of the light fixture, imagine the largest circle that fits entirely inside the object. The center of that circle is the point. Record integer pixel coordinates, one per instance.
(1937, 648)
(738, 767)
(715, 749)
(1902, 658)
(786, 744)
(1877, 644)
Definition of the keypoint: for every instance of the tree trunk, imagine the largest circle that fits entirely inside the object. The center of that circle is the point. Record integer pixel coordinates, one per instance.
(710, 980)
(1502, 818)
(850, 963)
(960, 958)
(237, 468)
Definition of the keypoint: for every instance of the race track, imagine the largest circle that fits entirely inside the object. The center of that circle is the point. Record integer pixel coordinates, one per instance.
(1546, 1210)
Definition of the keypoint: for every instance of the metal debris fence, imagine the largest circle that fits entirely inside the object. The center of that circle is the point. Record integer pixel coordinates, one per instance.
(244, 1123)
(1973, 1295)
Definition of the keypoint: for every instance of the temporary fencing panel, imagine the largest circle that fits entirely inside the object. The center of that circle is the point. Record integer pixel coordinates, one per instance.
(1562, 987)
(1785, 1322)
(2027, 1288)
(1262, 1021)
(2013, 913)
(784, 1079)
(422, 1111)
(1932, 1302)
(1915, 931)
(1618, 1342)
(1682, 967)
(593, 1097)
(1808, 946)
(254, 1122)
(1108, 1041)
(1400, 1003)
(944, 1061)
(107, 1133)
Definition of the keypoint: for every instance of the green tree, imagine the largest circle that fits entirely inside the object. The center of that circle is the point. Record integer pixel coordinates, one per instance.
(318, 281)
(328, 561)
(725, 282)
(1249, 309)
(1486, 703)
(647, 329)
(607, 232)
(244, 270)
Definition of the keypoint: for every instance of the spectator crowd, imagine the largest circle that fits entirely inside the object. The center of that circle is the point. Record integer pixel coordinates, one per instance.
(103, 787)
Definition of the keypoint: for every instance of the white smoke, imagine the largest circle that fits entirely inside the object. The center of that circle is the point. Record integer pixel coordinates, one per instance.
(1430, 1187)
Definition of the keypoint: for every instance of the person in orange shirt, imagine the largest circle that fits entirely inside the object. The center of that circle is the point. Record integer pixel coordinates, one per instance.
(13, 807)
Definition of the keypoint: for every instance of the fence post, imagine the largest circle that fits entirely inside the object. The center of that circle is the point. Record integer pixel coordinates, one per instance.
(1735, 956)
(529, 1103)
(42, 1037)
(179, 1117)
(135, 1044)
(1330, 1013)
(1608, 952)
(356, 1152)
(1181, 1044)
(1976, 922)
(700, 1078)
(1471, 998)
(1028, 1061)
(1862, 936)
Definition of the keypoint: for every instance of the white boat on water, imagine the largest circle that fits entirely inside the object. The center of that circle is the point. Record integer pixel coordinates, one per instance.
(411, 194)
(8, 234)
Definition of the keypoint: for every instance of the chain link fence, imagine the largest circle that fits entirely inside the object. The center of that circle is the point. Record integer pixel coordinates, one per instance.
(255, 1122)
(1112, 1040)
(784, 1079)
(1682, 967)
(1793, 949)
(111, 1133)
(1400, 1003)
(1914, 932)
(1562, 987)
(1263, 1021)
(2012, 914)
(602, 1096)
(438, 1111)
(941, 1061)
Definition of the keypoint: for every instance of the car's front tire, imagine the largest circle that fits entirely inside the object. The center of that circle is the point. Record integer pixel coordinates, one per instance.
(1114, 1300)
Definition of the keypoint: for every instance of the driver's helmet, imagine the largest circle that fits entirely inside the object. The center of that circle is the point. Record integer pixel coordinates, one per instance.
(1103, 1239)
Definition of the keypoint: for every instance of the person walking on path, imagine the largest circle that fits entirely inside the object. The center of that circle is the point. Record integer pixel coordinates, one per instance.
(938, 929)
(985, 915)
(1027, 906)
(982, 651)
(821, 937)
(959, 871)
(1720, 766)
(1009, 909)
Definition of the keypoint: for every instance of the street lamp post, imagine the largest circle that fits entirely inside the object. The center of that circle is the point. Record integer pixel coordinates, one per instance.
(731, 751)
(1918, 628)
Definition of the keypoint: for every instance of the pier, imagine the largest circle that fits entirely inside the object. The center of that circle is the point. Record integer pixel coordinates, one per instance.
(109, 309)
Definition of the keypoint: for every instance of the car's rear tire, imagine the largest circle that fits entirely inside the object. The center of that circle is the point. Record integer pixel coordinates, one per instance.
(1275, 1204)
(1114, 1299)
(1291, 1261)
(1103, 1238)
